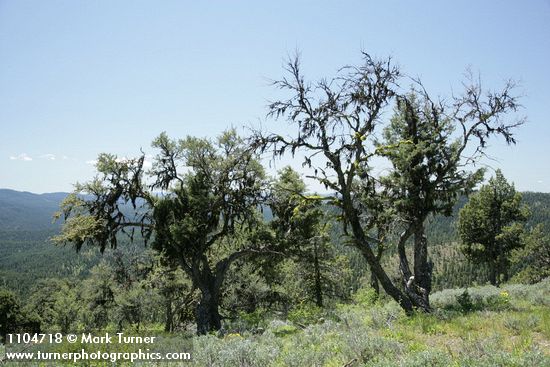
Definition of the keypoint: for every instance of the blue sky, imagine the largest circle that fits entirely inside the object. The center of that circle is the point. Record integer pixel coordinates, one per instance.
(82, 77)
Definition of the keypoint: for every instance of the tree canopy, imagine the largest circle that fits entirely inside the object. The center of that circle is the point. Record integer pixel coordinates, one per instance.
(491, 226)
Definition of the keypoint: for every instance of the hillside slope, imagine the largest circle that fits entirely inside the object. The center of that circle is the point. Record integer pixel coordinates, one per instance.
(25, 211)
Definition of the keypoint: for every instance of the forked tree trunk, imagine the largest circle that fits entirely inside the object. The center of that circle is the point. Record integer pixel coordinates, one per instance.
(376, 268)
(386, 282)
(417, 285)
(422, 268)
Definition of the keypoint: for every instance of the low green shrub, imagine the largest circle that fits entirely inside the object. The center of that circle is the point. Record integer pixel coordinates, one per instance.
(498, 302)
(281, 328)
(305, 314)
(365, 296)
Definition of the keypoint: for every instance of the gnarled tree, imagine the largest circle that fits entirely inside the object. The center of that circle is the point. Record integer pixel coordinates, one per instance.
(335, 125)
(197, 194)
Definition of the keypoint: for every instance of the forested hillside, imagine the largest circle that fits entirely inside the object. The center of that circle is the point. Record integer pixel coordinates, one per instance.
(27, 254)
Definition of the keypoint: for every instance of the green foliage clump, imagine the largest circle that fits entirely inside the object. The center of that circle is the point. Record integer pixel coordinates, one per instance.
(281, 328)
(305, 314)
(533, 260)
(365, 296)
(468, 304)
(13, 318)
(499, 302)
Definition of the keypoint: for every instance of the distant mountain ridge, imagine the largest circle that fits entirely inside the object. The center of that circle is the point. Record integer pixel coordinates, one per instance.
(25, 211)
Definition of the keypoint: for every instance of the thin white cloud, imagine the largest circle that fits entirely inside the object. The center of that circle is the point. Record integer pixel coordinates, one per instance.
(50, 157)
(92, 162)
(21, 157)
